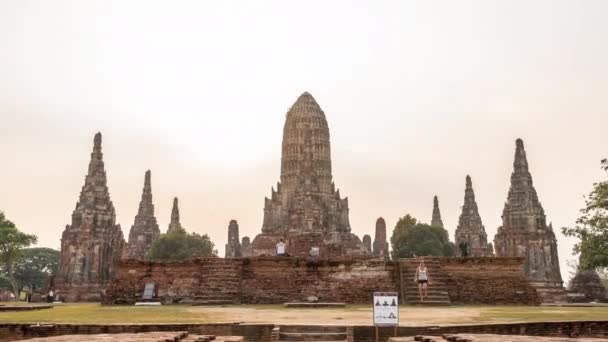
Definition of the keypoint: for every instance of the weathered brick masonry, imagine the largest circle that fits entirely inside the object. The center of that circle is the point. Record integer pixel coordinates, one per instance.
(277, 280)
(488, 281)
(262, 332)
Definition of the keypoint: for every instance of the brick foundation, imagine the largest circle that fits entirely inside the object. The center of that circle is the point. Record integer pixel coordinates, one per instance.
(274, 280)
(264, 332)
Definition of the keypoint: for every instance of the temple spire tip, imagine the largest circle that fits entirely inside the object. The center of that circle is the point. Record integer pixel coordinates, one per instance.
(97, 140)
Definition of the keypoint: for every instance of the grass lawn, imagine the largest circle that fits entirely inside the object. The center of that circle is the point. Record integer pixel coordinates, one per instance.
(351, 315)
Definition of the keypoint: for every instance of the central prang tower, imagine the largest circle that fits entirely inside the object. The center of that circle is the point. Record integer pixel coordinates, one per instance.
(306, 209)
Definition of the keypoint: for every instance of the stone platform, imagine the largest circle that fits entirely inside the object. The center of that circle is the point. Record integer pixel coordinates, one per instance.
(581, 331)
(279, 280)
(491, 338)
(314, 305)
(181, 336)
(7, 308)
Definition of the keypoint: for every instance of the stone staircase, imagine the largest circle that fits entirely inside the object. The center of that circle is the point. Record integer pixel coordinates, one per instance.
(437, 290)
(219, 283)
(312, 333)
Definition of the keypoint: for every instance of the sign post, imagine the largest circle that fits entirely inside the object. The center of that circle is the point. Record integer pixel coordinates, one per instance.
(386, 311)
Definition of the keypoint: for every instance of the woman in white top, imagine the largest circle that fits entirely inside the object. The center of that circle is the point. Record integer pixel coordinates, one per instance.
(423, 279)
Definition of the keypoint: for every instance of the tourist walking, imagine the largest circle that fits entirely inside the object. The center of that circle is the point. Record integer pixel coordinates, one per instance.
(423, 279)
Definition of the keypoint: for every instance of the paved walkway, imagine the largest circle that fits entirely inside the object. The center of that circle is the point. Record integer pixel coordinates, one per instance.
(491, 338)
(142, 337)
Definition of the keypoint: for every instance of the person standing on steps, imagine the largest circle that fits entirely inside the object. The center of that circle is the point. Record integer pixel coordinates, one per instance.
(423, 279)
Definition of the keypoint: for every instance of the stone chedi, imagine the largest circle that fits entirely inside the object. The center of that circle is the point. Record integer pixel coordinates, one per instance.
(245, 246)
(524, 232)
(436, 218)
(233, 247)
(471, 233)
(306, 209)
(174, 225)
(93, 242)
(586, 286)
(145, 228)
(380, 243)
(367, 242)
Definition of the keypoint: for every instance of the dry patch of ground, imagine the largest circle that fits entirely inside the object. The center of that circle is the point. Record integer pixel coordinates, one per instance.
(351, 315)
(277, 314)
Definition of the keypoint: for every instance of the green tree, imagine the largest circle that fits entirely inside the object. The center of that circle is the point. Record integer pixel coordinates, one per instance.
(592, 227)
(35, 267)
(12, 242)
(180, 245)
(412, 238)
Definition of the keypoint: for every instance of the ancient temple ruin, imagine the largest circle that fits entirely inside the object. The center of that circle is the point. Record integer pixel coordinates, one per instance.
(233, 247)
(524, 232)
(471, 238)
(586, 286)
(93, 242)
(306, 209)
(174, 225)
(367, 242)
(436, 219)
(380, 244)
(145, 229)
(245, 246)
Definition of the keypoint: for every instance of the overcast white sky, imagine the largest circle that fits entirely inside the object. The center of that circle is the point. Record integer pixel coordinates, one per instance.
(417, 94)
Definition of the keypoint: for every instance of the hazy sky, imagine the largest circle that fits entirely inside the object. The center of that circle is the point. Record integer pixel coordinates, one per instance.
(418, 94)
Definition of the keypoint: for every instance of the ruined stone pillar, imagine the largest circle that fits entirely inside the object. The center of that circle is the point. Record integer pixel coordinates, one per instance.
(233, 247)
(367, 242)
(380, 243)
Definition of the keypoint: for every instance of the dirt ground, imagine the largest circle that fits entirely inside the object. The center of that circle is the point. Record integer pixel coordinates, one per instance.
(410, 316)
(94, 313)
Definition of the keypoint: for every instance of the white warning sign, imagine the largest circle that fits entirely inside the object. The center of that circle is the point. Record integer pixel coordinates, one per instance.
(386, 309)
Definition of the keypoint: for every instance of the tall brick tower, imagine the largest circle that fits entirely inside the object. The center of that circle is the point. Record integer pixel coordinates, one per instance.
(470, 230)
(233, 247)
(306, 209)
(175, 225)
(145, 228)
(380, 243)
(524, 232)
(436, 219)
(93, 242)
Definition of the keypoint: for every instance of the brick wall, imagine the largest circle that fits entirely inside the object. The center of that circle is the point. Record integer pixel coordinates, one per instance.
(263, 332)
(279, 280)
(269, 280)
(488, 281)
